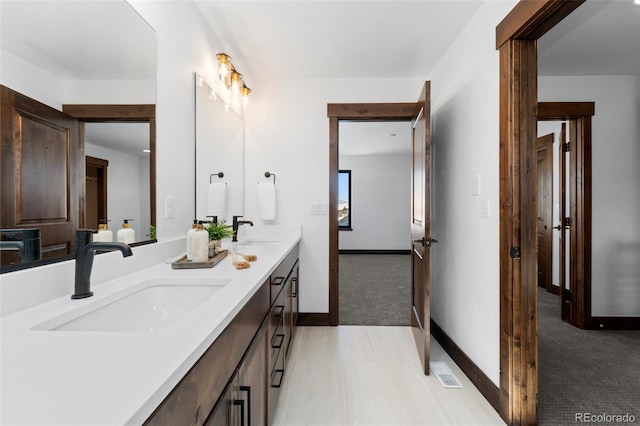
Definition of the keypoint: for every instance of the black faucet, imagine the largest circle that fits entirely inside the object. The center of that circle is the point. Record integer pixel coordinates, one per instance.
(85, 250)
(236, 225)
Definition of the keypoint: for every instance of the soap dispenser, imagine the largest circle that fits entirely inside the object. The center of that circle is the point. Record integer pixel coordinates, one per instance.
(200, 244)
(104, 233)
(126, 234)
(190, 233)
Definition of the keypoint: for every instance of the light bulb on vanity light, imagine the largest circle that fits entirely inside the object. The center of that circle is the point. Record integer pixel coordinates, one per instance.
(244, 92)
(223, 68)
(236, 82)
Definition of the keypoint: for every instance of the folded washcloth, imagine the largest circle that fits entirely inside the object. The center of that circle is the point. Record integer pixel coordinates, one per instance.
(217, 200)
(267, 200)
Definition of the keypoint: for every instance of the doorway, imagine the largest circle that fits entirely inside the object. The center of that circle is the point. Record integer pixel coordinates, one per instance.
(337, 113)
(116, 124)
(96, 190)
(374, 207)
(516, 39)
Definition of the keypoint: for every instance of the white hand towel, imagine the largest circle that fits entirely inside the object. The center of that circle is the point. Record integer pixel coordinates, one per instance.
(267, 200)
(217, 200)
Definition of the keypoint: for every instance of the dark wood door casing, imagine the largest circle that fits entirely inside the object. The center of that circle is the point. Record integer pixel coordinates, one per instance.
(356, 112)
(576, 301)
(42, 172)
(132, 113)
(516, 40)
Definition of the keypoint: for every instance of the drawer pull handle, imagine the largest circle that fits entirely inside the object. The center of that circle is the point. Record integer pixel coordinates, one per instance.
(294, 287)
(281, 373)
(277, 281)
(240, 403)
(277, 345)
(247, 389)
(278, 311)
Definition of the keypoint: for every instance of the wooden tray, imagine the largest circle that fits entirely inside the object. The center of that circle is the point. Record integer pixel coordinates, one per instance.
(183, 263)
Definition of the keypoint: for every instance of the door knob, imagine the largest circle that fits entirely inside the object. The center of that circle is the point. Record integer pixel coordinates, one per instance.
(421, 240)
(559, 227)
(430, 241)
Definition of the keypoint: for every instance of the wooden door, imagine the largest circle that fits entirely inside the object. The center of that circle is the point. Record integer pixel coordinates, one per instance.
(96, 191)
(42, 172)
(420, 225)
(544, 147)
(560, 227)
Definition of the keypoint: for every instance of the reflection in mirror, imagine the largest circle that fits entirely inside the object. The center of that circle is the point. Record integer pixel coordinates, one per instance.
(52, 53)
(219, 156)
(117, 177)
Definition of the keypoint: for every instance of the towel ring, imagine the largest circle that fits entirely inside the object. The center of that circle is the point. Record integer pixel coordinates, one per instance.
(268, 175)
(219, 174)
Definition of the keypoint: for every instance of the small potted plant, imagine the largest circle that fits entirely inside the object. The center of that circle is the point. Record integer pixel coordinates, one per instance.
(217, 232)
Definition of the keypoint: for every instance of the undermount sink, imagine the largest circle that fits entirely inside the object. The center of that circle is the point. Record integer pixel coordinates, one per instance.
(257, 243)
(150, 306)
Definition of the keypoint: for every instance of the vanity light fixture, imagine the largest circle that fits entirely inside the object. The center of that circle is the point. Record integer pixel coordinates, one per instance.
(232, 79)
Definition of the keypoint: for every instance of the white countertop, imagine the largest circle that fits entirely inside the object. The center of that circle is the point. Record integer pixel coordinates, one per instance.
(114, 378)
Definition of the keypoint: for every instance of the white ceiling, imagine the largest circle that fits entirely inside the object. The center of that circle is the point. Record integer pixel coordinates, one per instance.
(375, 137)
(130, 138)
(83, 40)
(336, 38)
(598, 38)
(397, 38)
(308, 38)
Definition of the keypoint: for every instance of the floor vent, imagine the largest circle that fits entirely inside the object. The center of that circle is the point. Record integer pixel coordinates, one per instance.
(444, 375)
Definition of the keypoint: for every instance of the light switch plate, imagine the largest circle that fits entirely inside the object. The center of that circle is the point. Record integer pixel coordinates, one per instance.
(169, 202)
(486, 208)
(319, 208)
(476, 188)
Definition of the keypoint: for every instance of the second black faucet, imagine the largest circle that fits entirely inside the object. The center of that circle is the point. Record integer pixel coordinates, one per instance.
(236, 225)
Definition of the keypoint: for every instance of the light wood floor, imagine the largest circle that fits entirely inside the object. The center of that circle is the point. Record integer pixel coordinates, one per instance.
(361, 375)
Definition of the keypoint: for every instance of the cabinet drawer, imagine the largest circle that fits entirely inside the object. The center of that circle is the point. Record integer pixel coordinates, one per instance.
(279, 276)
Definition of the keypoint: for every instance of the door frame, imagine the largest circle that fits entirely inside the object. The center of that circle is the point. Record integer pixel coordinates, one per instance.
(516, 41)
(133, 113)
(336, 113)
(545, 144)
(578, 299)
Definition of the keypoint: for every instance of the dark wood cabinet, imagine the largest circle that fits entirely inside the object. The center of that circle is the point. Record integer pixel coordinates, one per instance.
(292, 307)
(237, 380)
(244, 401)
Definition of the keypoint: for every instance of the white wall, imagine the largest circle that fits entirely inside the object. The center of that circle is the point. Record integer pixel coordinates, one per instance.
(380, 202)
(465, 126)
(615, 268)
(288, 134)
(185, 46)
(41, 85)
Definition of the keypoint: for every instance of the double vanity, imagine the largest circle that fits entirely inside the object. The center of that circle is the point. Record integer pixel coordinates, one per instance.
(158, 345)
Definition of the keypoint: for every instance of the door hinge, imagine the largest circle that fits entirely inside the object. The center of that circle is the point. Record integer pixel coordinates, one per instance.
(515, 252)
(567, 222)
(567, 147)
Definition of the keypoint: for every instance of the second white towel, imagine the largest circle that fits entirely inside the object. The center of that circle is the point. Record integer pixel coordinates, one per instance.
(267, 200)
(217, 200)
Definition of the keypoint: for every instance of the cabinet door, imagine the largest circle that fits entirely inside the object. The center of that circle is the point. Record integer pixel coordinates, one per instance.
(252, 381)
(294, 301)
(225, 413)
(288, 314)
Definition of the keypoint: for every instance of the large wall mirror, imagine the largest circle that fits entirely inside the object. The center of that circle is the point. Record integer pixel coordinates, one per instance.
(219, 156)
(75, 70)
